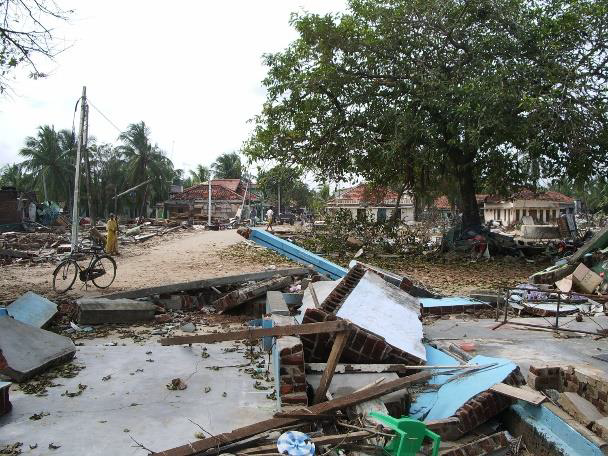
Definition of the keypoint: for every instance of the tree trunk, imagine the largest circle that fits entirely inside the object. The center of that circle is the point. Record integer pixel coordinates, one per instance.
(463, 164)
(393, 218)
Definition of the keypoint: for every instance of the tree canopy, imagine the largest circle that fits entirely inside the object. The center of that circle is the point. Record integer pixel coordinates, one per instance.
(421, 93)
(293, 190)
(26, 33)
(227, 166)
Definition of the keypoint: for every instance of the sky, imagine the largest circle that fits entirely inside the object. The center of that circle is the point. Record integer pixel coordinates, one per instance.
(191, 70)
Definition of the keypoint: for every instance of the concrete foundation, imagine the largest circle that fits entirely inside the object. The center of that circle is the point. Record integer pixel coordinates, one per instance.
(133, 401)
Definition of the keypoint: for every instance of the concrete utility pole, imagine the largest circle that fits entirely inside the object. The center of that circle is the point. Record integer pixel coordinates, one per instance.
(81, 136)
(209, 202)
(87, 165)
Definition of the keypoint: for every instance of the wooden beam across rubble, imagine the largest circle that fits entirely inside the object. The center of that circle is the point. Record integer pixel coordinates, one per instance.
(366, 394)
(207, 283)
(256, 333)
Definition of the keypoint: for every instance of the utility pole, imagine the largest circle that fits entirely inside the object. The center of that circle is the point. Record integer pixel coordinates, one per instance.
(279, 208)
(87, 164)
(81, 136)
(209, 202)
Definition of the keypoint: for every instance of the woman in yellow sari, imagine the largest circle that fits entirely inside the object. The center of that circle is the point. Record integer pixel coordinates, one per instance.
(112, 239)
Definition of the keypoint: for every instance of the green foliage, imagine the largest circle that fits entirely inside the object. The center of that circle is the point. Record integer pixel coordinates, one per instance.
(227, 166)
(294, 192)
(26, 33)
(414, 93)
(199, 174)
(48, 160)
(143, 162)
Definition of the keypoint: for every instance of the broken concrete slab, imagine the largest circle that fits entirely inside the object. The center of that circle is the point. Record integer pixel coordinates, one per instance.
(394, 314)
(29, 350)
(321, 291)
(33, 309)
(579, 408)
(249, 292)
(345, 384)
(275, 303)
(97, 311)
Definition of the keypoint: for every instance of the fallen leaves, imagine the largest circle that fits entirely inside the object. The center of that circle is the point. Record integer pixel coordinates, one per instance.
(176, 384)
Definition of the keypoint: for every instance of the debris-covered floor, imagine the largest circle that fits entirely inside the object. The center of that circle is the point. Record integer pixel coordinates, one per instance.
(209, 344)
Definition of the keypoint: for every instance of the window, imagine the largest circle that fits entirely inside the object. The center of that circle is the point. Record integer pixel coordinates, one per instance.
(516, 215)
(381, 214)
(360, 214)
(398, 215)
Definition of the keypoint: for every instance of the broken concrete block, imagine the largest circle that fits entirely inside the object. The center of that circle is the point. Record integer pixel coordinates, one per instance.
(249, 292)
(579, 408)
(275, 303)
(188, 327)
(585, 280)
(29, 350)
(600, 427)
(162, 318)
(33, 309)
(97, 311)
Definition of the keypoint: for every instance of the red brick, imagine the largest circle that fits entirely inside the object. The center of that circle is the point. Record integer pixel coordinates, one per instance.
(293, 360)
(285, 389)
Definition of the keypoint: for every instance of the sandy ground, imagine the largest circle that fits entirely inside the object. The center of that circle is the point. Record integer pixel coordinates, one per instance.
(185, 256)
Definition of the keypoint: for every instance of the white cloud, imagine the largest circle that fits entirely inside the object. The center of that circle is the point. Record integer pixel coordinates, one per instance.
(191, 70)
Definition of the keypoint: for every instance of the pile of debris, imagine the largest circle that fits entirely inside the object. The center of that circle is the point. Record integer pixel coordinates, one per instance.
(51, 245)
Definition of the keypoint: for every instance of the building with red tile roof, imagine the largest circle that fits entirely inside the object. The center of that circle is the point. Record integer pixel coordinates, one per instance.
(226, 198)
(377, 202)
(542, 206)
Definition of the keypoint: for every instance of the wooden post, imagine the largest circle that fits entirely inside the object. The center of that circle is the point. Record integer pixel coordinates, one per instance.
(332, 362)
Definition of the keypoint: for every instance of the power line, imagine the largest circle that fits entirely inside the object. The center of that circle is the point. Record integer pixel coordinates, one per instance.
(104, 116)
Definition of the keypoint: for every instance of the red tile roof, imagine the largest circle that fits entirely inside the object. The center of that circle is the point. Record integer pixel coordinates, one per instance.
(218, 192)
(531, 195)
(231, 184)
(443, 202)
(365, 193)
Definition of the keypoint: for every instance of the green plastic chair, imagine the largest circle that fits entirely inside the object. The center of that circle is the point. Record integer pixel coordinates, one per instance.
(409, 435)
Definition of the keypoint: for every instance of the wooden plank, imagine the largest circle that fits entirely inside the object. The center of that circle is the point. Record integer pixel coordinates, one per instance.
(381, 368)
(530, 396)
(323, 440)
(324, 407)
(332, 361)
(207, 283)
(256, 333)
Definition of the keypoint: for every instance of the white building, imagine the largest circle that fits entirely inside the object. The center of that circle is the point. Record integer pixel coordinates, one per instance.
(379, 203)
(543, 207)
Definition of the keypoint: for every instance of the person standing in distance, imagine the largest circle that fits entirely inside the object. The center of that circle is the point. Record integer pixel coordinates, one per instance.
(270, 217)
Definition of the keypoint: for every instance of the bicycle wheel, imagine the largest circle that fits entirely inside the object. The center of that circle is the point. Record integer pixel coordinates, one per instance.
(64, 275)
(103, 271)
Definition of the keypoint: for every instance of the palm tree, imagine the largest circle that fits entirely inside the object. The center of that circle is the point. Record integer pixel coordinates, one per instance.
(49, 164)
(199, 174)
(228, 166)
(145, 162)
(14, 176)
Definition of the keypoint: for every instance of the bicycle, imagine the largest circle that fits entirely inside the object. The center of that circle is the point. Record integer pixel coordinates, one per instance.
(101, 270)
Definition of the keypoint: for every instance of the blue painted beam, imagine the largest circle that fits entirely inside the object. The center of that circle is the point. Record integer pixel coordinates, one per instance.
(297, 254)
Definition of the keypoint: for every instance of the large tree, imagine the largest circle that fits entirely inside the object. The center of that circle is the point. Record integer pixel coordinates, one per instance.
(419, 91)
(228, 166)
(27, 33)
